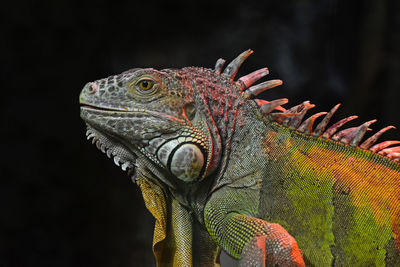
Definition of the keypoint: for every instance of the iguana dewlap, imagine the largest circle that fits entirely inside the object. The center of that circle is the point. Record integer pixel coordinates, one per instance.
(219, 169)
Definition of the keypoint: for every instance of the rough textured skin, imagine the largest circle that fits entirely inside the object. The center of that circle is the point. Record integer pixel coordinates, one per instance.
(219, 170)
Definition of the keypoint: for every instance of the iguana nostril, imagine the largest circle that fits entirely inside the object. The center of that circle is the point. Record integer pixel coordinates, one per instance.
(92, 88)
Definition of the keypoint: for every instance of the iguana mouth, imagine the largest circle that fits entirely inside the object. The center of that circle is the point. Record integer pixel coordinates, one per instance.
(86, 106)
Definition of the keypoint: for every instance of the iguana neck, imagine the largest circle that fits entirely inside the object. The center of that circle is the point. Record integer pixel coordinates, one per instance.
(246, 141)
(218, 104)
(217, 108)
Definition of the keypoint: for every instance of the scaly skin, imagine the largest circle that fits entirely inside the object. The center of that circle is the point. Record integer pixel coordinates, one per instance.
(217, 171)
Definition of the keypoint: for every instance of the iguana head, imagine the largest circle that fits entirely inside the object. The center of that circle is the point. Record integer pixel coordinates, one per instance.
(148, 113)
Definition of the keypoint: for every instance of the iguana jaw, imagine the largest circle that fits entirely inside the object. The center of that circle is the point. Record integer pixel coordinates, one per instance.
(134, 140)
(136, 126)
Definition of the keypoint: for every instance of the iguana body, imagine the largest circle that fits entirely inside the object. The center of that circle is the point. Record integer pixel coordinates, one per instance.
(218, 169)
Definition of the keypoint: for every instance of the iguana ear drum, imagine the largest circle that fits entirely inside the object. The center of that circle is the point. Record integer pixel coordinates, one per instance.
(189, 111)
(185, 160)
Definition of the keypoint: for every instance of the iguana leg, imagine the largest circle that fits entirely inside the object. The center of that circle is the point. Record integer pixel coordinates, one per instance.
(254, 241)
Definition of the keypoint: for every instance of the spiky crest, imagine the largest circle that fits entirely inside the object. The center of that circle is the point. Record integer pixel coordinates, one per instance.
(293, 117)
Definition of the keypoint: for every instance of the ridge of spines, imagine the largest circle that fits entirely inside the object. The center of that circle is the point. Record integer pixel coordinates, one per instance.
(293, 117)
(353, 136)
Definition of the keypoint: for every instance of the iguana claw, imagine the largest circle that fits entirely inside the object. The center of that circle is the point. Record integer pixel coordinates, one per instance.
(279, 248)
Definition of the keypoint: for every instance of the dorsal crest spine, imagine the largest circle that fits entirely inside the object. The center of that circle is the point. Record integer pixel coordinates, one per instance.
(293, 117)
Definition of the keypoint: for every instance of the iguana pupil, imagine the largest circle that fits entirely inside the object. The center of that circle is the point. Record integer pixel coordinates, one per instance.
(145, 85)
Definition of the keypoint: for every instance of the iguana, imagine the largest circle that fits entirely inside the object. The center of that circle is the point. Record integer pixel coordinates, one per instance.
(220, 169)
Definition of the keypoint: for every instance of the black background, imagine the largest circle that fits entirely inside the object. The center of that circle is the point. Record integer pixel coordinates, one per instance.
(64, 203)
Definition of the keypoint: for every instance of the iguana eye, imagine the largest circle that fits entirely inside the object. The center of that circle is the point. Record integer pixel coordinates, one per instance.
(145, 87)
(146, 84)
